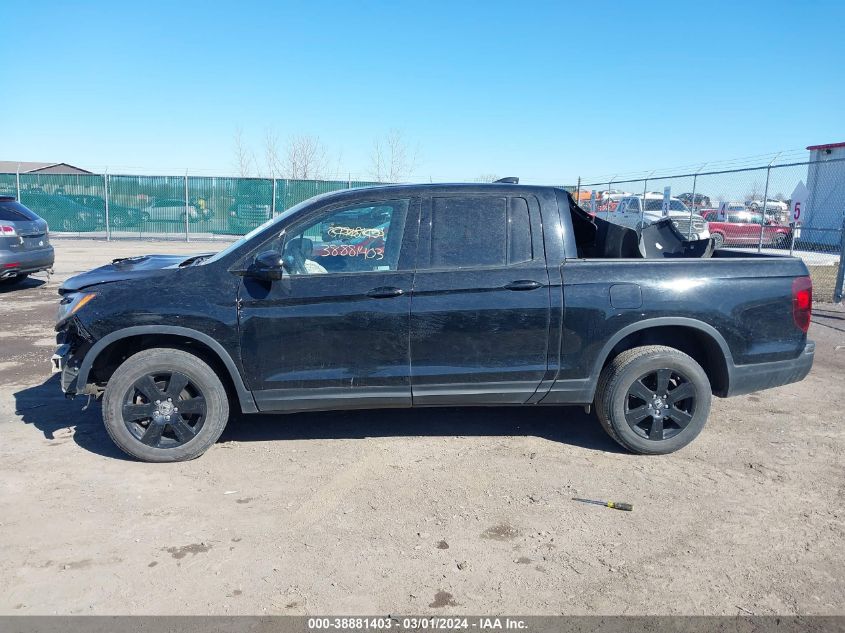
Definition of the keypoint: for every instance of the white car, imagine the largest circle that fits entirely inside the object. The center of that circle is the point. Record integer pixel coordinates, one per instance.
(631, 213)
(774, 208)
(169, 210)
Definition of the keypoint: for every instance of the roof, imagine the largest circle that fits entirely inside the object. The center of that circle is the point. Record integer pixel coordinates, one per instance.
(15, 166)
(827, 146)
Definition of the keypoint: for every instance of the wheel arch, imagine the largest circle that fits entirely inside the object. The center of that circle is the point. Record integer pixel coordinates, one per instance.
(100, 360)
(695, 338)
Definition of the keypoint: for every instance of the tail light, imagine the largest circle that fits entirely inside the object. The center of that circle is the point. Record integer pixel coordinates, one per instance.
(8, 231)
(802, 302)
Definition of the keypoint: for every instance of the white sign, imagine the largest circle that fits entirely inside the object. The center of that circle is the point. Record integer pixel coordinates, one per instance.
(798, 203)
(593, 201)
(667, 195)
(723, 211)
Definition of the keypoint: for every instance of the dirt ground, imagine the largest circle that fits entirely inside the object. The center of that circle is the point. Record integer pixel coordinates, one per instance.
(425, 511)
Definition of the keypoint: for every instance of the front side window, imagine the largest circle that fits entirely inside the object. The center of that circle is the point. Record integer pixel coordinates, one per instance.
(364, 238)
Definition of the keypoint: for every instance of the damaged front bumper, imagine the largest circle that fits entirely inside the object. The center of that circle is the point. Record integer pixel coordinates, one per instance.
(72, 345)
(63, 363)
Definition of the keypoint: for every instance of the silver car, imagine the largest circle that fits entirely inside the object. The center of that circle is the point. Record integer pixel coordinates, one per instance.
(24, 242)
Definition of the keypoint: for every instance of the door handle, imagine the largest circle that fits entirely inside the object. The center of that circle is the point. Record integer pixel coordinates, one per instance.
(385, 292)
(523, 284)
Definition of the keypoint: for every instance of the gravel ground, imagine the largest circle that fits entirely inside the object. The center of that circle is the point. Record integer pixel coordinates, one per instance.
(424, 511)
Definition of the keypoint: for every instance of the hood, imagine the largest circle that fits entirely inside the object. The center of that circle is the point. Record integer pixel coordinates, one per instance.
(128, 268)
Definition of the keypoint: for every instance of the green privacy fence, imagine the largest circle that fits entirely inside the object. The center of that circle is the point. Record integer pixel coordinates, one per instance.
(160, 206)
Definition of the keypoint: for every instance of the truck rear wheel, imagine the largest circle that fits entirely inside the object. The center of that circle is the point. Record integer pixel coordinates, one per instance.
(165, 405)
(653, 399)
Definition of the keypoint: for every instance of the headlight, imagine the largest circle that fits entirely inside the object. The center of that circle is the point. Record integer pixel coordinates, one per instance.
(71, 304)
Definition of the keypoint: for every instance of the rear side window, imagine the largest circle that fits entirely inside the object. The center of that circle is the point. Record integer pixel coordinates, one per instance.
(467, 232)
(12, 211)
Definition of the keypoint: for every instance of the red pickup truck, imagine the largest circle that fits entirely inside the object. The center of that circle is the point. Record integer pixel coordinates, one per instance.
(743, 228)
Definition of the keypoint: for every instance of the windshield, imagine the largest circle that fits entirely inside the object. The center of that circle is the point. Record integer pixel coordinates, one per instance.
(657, 205)
(260, 229)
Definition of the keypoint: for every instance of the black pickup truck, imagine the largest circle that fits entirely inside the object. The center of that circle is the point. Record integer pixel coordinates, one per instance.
(432, 295)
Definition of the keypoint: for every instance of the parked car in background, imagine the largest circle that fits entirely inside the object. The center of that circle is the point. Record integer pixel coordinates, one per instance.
(24, 242)
(169, 210)
(609, 200)
(119, 215)
(730, 207)
(252, 206)
(697, 201)
(777, 209)
(743, 228)
(60, 212)
(631, 213)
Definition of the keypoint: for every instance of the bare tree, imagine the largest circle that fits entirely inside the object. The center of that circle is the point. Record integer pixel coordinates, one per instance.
(244, 158)
(754, 194)
(272, 159)
(305, 157)
(392, 160)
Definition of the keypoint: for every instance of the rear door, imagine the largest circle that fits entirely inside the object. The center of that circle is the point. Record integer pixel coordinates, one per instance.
(480, 307)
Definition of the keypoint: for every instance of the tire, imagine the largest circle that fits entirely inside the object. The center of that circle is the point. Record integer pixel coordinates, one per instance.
(781, 240)
(9, 281)
(718, 240)
(142, 428)
(145, 217)
(641, 370)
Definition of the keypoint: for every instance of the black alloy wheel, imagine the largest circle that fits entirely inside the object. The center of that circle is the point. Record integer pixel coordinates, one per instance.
(164, 410)
(660, 404)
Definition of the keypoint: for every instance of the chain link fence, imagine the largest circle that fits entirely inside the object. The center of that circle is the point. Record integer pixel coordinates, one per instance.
(751, 209)
(161, 207)
(748, 208)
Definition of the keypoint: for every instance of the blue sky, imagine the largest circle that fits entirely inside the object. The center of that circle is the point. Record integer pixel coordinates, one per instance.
(546, 91)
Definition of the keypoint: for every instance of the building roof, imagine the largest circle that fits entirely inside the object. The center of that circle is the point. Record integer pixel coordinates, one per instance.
(827, 146)
(14, 166)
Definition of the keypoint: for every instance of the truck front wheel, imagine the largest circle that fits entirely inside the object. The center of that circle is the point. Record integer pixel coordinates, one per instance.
(653, 399)
(165, 405)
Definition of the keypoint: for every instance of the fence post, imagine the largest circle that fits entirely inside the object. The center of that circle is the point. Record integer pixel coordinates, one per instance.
(840, 276)
(106, 198)
(642, 202)
(578, 192)
(692, 205)
(273, 203)
(765, 200)
(18, 181)
(187, 220)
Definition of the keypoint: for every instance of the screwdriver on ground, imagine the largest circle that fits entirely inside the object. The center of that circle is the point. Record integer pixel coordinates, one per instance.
(608, 504)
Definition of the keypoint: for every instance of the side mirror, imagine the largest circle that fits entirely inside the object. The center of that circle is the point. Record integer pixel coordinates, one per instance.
(268, 266)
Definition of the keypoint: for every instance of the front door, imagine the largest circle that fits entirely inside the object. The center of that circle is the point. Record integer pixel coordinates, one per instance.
(480, 310)
(334, 332)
